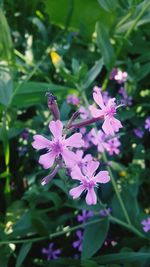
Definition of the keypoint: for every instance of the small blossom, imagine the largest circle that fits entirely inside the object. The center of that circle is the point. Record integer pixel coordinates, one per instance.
(113, 73)
(112, 146)
(138, 132)
(73, 99)
(121, 76)
(126, 100)
(88, 181)
(146, 225)
(84, 216)
(78, 243)
(105, 212)
(147, 124)
(58, 146)
(84, 114)
(99, 139)
(25, 134)
(87, 140)
(111, 124)
(106, 97)
(82, 160)
(51, 253)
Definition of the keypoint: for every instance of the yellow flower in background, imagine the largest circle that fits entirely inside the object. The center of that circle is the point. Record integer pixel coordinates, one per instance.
(56, 58)
(122, 173)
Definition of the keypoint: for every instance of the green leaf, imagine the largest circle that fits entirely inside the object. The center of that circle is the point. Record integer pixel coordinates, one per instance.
(23, 253)
(6, 84)
(6, 47)
(104, 45)
(123, 257)
(33, 93)
(5, 253)
(81, 21)
(93, 73)
(108, 5)
(94, 236)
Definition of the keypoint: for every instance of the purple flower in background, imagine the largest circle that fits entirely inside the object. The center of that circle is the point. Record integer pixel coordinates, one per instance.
(51, 253)
(82, 160)
(73, 99)
(106, 212)
(147, 124)
(138, 132)
(106, 97)
(99, 139)
(25, 134)
(84, 113)
(58, 146)
(108, 111)
(78, 243)
(87, 140)
(113, 73)
(88, 181)
(146, 225)
(112, 146)
(84, 216)
(126, 100)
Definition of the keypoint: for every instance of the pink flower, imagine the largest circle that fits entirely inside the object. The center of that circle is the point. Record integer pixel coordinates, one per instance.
(82, 161)
(121, 76)
(58, 146)
(84, 114)
(112, 146)
(88, 181)
(73, 99)
(111, 124)
(88, 140)
(99, 139)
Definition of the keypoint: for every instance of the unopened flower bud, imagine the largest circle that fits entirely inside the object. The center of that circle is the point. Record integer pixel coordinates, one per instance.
(52, 105)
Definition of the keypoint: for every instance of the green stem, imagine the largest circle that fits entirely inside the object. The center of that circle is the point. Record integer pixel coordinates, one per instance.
(59, 233)
(116, 191)
(69, 230)
(129, 227)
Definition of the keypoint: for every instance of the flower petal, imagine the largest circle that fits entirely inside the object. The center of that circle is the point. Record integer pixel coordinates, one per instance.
(98, 97)
(92, 166)
(47, 160)
(75, 140)
(87, 158)
(41, 142)
(96, 112)
(116, 124)
(76, 174)
(56, 128)
(77, 191)
(107, 127)
(102, 177)
(69, 157)
(91, 198)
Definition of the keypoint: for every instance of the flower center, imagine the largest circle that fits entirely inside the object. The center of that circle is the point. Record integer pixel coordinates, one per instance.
(111, 111)
(90, 184)
(57, 147)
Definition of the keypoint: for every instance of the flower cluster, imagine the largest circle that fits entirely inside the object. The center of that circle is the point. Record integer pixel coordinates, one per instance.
(118, 75)
(65, 149)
